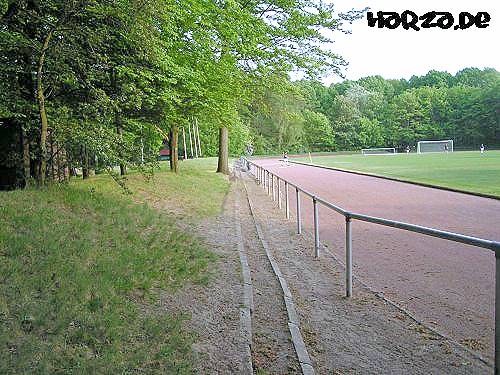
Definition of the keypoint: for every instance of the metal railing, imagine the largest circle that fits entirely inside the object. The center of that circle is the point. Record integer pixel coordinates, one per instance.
(267, 179)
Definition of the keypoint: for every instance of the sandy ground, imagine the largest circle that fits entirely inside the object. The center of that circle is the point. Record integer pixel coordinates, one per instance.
(362, 335)
(449, 286)
(272, 349)
(214, 308)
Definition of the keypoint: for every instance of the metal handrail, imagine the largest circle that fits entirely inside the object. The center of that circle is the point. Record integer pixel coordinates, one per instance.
(262, 175)
(451, 236)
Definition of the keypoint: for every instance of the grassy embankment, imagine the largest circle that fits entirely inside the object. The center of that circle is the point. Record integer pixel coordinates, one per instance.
(468, 170)
(81, 267)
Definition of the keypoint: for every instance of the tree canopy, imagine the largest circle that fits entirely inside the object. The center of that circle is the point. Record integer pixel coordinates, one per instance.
(103, 78)
(378, 112)
(93, 84)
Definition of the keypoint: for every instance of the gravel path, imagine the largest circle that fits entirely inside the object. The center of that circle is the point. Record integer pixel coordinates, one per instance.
(272, 349)
(214, 309)
(449, 286)
(361, 335)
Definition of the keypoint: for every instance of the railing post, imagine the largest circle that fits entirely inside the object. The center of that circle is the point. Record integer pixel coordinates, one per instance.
(299, 220)
(497, 312)
(348, 257)
(316, 228)
(273, 189)
(279, 193)
(269, 181)
(287, 203)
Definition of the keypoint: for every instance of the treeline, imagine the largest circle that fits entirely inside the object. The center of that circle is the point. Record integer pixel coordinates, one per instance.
(94, 84)
(99, 83)
(377, 112)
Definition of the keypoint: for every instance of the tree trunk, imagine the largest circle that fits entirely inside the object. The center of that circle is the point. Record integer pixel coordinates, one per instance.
(223, 166)
(198, 134)
(174, 149)
(190, 140)
(184, 141)
(26, 157)
(85, 163)
(123, 167)
(41, 110)
(52, 159)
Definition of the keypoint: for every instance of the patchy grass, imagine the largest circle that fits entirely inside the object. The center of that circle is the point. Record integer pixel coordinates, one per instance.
(81, 267)
(467, 170)
(195, 192)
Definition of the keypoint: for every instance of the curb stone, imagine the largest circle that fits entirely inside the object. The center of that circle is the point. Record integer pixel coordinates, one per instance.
(293, 321)
(247, 298)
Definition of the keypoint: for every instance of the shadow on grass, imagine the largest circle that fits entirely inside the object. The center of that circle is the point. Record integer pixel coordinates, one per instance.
(80, 267)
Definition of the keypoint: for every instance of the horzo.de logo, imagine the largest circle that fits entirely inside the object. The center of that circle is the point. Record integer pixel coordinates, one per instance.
(443, 20)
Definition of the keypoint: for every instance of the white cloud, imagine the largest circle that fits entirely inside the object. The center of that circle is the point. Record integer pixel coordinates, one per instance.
(401, 53)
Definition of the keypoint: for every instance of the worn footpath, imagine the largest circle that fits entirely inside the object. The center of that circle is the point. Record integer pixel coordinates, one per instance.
(242, 322)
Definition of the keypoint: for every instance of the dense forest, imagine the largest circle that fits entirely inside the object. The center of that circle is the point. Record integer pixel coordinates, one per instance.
(377, 112)
(94, 84)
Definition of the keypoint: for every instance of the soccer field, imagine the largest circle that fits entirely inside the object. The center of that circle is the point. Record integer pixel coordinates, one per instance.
(466, 170)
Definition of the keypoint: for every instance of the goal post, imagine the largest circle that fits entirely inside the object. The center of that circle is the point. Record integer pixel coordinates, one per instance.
(379, 151)
(435, 146)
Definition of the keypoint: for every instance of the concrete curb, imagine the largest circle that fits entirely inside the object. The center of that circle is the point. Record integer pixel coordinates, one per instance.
(482, 195)
(247, 299)
(293, 320)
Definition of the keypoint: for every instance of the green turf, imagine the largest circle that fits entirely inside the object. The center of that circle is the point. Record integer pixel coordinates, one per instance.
(81, 268)
(468, 170)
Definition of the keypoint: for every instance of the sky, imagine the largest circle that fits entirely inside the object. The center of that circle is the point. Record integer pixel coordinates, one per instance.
(399, 53)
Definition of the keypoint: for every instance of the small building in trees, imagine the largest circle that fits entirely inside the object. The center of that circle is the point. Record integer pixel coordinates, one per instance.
(164, 153)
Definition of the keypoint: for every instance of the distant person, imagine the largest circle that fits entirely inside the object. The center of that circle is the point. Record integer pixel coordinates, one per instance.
(408, 149)
(285, 157)
(446, 147)
(249, 150)
(482, 148)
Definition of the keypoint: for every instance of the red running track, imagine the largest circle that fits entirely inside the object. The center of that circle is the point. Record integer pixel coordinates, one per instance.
(448, 285)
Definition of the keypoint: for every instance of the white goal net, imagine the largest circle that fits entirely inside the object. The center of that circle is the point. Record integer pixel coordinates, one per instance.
(435, 146)
(379, 151)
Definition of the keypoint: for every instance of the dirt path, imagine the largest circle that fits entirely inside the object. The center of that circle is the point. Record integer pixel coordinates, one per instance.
(214, 309)
(272, 349)
(227, 321)
(362, 335)
(450, 286)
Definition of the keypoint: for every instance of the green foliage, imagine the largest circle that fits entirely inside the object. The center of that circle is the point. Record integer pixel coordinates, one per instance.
(122, 72)
(374, 112)
(318, 132)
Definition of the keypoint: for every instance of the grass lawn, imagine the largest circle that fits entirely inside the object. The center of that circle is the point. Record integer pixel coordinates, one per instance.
(467, 170)
(81, 267)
